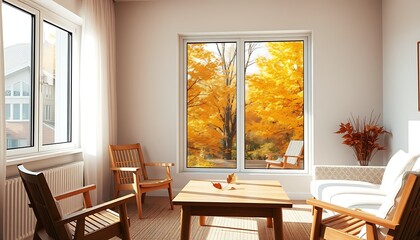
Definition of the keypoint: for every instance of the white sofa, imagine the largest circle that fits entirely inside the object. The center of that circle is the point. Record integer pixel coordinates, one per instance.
(362, 187)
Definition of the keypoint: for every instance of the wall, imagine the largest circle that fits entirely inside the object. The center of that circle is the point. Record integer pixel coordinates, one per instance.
(401, 32)
(347, 69)
(72, 5)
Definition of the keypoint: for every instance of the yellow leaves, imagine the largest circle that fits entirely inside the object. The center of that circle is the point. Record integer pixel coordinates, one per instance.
(274, 97)
(231, 178)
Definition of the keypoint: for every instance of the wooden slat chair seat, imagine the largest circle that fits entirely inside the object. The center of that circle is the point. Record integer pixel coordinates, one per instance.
(402, 220)
(92, 222)
(291, 159)
(130, 173)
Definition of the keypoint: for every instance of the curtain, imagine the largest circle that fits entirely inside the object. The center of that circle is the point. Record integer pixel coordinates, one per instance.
(98, 93)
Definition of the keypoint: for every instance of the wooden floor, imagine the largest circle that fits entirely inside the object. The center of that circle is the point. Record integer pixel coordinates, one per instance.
(161, 223)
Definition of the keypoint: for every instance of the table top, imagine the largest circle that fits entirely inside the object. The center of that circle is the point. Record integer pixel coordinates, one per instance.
(244, 193)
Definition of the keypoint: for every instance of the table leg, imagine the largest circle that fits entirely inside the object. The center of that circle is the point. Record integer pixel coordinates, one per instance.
(185, 222)
(278, 223)
(202, 220)
(269, 222)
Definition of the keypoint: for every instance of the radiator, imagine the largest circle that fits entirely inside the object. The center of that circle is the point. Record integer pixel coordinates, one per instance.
(20, 219)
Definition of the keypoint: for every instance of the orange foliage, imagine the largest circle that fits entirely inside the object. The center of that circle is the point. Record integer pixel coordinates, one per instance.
(274, 99)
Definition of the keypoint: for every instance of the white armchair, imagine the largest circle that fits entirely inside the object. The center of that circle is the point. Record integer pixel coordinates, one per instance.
(362, 187)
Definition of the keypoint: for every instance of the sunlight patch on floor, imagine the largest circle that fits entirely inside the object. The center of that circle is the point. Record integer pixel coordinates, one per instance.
(228, 228)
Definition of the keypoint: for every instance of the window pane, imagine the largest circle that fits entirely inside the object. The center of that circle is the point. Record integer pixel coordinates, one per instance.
(211, 105)
(16, 111)
(7, 111)
(56, 61)
(25, 111)
(18, 62)
(16, 89)
(274, 81)
(25, 89)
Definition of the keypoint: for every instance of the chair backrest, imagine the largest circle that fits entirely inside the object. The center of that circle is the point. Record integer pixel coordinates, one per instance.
(294, 149)
(406, 210)
(129, 155)
(43, 203)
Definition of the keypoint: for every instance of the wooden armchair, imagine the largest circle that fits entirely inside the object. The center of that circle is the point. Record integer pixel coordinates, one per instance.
(98, 222)
(402, 221)
(292, 157)
(129, 169)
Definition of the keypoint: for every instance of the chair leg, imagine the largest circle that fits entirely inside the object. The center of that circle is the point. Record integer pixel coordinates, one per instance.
(316, 223)
(143, 197)
(124, 222)
(170, 196)
(139, 204)
(116, 191)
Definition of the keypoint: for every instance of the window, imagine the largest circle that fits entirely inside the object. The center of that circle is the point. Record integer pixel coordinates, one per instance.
(38, 51)
(244, 99)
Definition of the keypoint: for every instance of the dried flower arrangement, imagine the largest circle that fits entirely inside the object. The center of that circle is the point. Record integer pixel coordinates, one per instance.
(362, 136)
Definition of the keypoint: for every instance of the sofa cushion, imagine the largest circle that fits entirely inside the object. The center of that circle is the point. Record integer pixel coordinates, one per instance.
(395, 168)
(416, 166)
(366, 202)
(389, 205)
(349, 194)
(321, 189)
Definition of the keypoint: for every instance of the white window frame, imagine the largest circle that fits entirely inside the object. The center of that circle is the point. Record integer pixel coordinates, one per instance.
(240, 39)
(59, 16)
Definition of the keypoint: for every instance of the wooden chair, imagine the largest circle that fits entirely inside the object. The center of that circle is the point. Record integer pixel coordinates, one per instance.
(402, 221)
(292, 157)
(129, 169)
(98, 222)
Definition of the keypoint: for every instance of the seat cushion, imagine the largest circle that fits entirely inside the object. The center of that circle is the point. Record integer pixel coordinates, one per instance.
(349, 194)
(397, 165)
(322, 189)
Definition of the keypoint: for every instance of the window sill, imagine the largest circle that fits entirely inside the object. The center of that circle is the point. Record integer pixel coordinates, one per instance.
(14, 160)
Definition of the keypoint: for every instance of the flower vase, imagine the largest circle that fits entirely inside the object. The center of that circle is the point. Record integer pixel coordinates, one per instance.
(363, 162)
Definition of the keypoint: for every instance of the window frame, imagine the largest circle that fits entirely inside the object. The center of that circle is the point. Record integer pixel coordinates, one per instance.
(62, 18)
(240, 39)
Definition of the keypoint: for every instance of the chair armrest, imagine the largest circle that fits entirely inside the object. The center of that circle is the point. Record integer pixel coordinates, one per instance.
(125, 169)
(89, 211)
(300, 156)
(163, 164)
(372, 174)
(370, 218)
(75, 192)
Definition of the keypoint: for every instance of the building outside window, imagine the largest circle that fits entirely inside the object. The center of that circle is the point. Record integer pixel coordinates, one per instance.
(38, 57)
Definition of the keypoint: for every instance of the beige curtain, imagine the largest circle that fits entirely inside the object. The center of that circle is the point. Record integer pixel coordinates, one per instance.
(98, 93)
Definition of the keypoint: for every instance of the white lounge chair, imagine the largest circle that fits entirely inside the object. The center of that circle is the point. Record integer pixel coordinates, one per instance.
(291, 159)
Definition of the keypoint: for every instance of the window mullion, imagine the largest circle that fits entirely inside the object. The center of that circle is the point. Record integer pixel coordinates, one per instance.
(37, 111)
(240, 101)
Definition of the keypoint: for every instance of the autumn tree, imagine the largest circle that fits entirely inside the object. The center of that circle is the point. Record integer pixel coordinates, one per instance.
(274, 98)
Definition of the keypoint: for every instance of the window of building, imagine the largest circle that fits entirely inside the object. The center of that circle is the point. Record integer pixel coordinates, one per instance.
(39, 63)
(244, 99)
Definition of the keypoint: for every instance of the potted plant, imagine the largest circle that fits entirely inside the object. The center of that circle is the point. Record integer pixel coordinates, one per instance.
(362, 136)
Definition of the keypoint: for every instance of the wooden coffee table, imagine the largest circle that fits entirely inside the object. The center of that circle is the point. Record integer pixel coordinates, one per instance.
(249, 198)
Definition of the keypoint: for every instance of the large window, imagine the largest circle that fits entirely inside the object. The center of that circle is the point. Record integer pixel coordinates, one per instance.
(38, 57)
(244, 99)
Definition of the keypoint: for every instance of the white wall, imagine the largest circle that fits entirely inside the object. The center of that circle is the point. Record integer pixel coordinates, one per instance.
(401, 32)
(72, 5)
(347, 69)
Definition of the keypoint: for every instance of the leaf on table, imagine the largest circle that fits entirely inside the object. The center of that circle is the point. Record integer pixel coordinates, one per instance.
(231, 178)
(232, 188)
(217, 185)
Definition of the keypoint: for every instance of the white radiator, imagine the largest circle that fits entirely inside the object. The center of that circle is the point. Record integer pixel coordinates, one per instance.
(20, 219)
